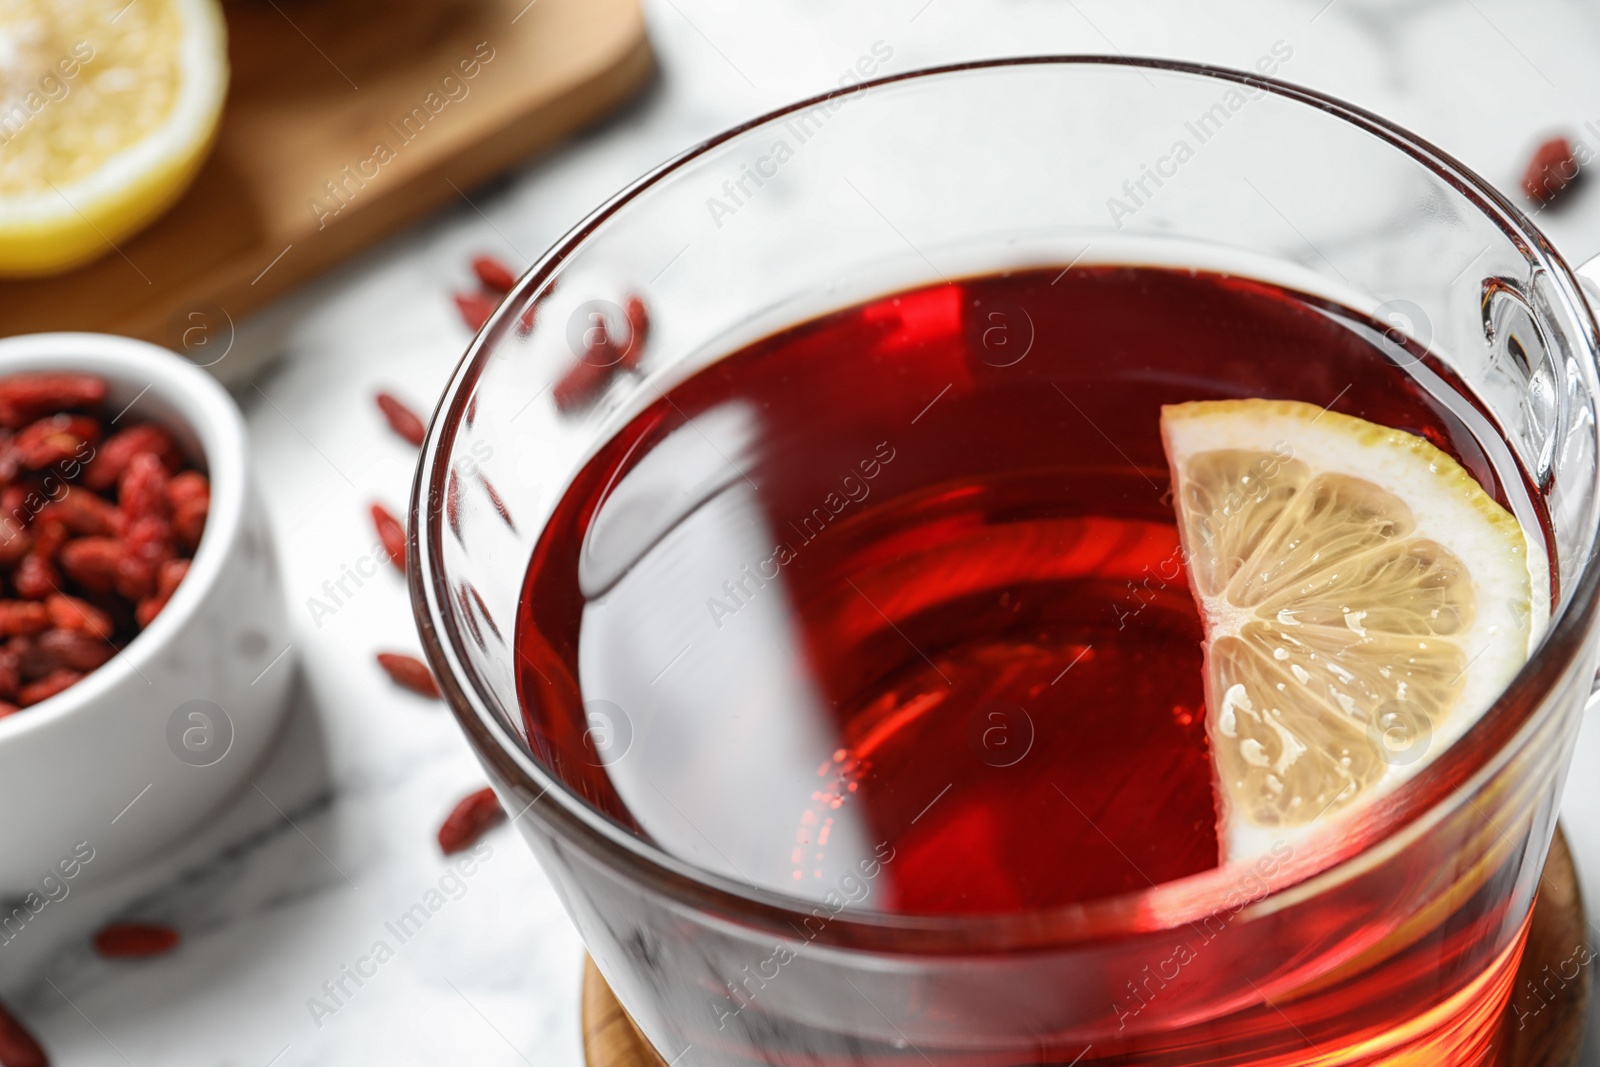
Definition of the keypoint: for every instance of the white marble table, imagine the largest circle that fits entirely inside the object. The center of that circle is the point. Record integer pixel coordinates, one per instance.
(297, 878)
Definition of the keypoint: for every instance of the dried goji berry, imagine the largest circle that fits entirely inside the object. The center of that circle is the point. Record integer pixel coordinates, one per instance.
(580, 385)
(149, 538)
(494, 498)
(18, 1048)
(55, 439)
(452, 504)
(468, 821)
(402, 420)
(136, 578)
(112, 456)
(146, 545)
(170, 575)
(36, 577)
(10, 674)
(1551, 170)
(188, 486)
(25, 655)
(483, 609)
(392, 534)
(84, 512)
(49, 686)
(26, 397)
(494, 274)
(70, 613)
(73, 650)
(475, 309)
(7, 708)
(135, 940)
(410, 672)
(14, 504)
(145, 612)
(526, 320)
(49, 534)
(91, 562)
(189, 523)
(10, 462)
(142, 490)
(23, 617)
(84, 567)
(638, 330)
(14, 543)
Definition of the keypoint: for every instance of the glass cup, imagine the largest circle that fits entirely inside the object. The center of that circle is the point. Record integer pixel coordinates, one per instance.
(1396, 938)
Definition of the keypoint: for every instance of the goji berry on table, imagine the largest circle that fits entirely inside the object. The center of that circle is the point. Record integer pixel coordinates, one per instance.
(402, 420)
(475, 309)
(1550, 172)
(392, 534)
(410, 672)
(135, 940)
(469, 820)
(494, 274)
(18, 1048)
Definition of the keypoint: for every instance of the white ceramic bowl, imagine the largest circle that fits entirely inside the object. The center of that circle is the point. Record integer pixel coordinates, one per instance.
(137, 753)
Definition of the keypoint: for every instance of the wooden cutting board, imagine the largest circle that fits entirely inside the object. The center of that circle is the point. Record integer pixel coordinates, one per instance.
(331, 140)
(1547, 1035)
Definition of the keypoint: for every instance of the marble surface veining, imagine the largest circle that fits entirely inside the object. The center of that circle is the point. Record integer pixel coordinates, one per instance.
(295, 881)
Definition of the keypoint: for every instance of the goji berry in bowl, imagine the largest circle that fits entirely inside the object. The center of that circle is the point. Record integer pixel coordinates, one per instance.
(143, 627)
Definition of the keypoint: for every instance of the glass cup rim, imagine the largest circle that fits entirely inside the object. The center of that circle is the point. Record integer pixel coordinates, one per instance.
(1477, 753)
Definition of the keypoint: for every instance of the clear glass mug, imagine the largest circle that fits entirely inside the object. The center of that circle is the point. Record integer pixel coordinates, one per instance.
(1339, 955)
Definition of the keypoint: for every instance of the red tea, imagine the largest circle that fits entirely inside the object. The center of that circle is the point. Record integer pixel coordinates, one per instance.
(886, 612)
(890, 604)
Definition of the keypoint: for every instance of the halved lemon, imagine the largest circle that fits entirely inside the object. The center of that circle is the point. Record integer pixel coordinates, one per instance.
(1364, 602)
(107, 110)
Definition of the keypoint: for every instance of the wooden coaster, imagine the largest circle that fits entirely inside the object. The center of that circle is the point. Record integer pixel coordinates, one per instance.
(1550, 1037)
(455, 90)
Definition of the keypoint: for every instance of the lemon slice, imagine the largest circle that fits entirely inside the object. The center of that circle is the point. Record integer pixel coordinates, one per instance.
(1364, 602)
(107, 109)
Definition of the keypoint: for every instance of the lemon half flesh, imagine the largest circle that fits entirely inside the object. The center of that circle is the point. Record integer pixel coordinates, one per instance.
(1364, 603)
(107, 110)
